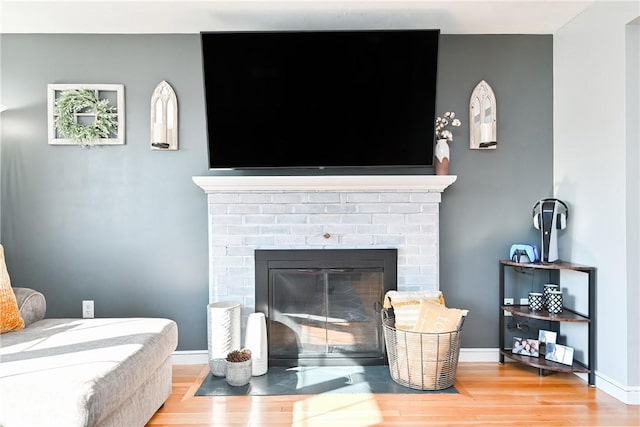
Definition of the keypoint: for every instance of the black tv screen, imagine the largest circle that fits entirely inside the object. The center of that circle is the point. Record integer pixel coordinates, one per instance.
(320, 99)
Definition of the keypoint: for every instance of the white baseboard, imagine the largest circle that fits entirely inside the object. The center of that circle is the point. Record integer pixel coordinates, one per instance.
(625, 394)
(199, 357)
(190, 357)
(629, 395)
(480, 355)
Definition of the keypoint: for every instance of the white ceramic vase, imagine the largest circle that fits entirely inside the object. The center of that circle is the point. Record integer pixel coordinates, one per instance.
(441, 154)
(256, 341)
(223, 330)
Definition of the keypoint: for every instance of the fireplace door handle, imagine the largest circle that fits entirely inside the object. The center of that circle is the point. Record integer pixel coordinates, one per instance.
(340, 270)
(308, 270)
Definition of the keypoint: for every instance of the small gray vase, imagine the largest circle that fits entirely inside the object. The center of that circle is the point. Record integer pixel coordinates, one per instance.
(218, 367)
(239, 373)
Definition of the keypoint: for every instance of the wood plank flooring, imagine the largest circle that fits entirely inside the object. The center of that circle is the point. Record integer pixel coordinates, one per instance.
(490, 395)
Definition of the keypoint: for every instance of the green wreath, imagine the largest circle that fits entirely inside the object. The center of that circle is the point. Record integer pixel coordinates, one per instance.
(75, 101)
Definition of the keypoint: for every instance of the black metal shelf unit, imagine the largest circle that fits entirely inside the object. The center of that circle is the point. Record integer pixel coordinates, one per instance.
(568, 314)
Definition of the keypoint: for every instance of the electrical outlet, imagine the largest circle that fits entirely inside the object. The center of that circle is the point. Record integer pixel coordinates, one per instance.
(524, 301)
(508, 301)
(87, 309)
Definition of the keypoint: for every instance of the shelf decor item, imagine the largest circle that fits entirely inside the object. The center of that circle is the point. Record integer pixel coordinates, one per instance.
(526, 347)
(223, 332)
(559, 353)
(546, 339)
(443, 137)
(85, 115)
(554, 302)
(239, 367)
(548, 287)
(536, 301)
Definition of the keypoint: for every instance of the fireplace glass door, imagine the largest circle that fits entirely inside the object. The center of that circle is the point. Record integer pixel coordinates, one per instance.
(323, 305)
(325, 313)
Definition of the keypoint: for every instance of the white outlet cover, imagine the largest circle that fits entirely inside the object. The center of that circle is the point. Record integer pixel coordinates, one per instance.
(87, 309)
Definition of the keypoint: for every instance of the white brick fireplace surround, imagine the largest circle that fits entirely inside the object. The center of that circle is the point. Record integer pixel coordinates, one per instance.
(320, 212)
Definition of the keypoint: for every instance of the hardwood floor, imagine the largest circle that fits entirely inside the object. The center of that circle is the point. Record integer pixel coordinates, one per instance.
(489, 394)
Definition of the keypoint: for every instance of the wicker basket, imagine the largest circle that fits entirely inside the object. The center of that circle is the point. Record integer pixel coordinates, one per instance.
(418, 360)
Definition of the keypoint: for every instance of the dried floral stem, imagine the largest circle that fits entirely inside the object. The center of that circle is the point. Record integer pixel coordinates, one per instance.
(441, 126)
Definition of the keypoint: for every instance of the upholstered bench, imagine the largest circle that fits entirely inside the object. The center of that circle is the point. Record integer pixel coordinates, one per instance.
(83, 372)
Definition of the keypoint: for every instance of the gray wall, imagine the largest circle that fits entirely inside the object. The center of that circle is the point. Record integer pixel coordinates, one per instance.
(122, 225)
(126, 226)
(489, 207)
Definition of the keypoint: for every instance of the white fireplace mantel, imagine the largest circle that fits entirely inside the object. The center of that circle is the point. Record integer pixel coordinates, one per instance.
(427, 183)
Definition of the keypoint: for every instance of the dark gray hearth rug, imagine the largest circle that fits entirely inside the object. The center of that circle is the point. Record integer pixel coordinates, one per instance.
(313, 380)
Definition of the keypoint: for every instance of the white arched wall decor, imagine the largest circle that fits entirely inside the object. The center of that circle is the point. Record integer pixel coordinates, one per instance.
(482, 118)
(164, 118)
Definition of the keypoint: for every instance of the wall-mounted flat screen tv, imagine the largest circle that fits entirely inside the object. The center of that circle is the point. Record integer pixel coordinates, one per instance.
(320, 99)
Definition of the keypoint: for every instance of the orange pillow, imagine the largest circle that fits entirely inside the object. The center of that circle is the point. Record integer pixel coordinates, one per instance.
(10, 319)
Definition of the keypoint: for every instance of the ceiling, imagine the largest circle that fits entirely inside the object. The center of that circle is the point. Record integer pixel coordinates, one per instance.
(163, 16)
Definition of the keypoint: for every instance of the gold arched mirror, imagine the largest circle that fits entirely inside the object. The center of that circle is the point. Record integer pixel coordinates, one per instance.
(482, 118)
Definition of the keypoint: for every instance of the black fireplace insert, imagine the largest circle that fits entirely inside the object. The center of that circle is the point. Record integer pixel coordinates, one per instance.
(323, 305)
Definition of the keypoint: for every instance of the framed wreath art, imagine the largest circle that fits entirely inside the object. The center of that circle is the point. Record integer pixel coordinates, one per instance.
(85, 115)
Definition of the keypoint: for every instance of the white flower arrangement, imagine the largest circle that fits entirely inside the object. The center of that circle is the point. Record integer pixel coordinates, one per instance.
(441, 126)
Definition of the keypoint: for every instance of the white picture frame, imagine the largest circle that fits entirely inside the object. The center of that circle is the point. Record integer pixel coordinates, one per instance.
(547, 337)
(114, 93)
(559, 353)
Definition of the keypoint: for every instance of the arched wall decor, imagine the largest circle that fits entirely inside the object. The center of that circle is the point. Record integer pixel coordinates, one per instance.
(483, 118)
(164, 118)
